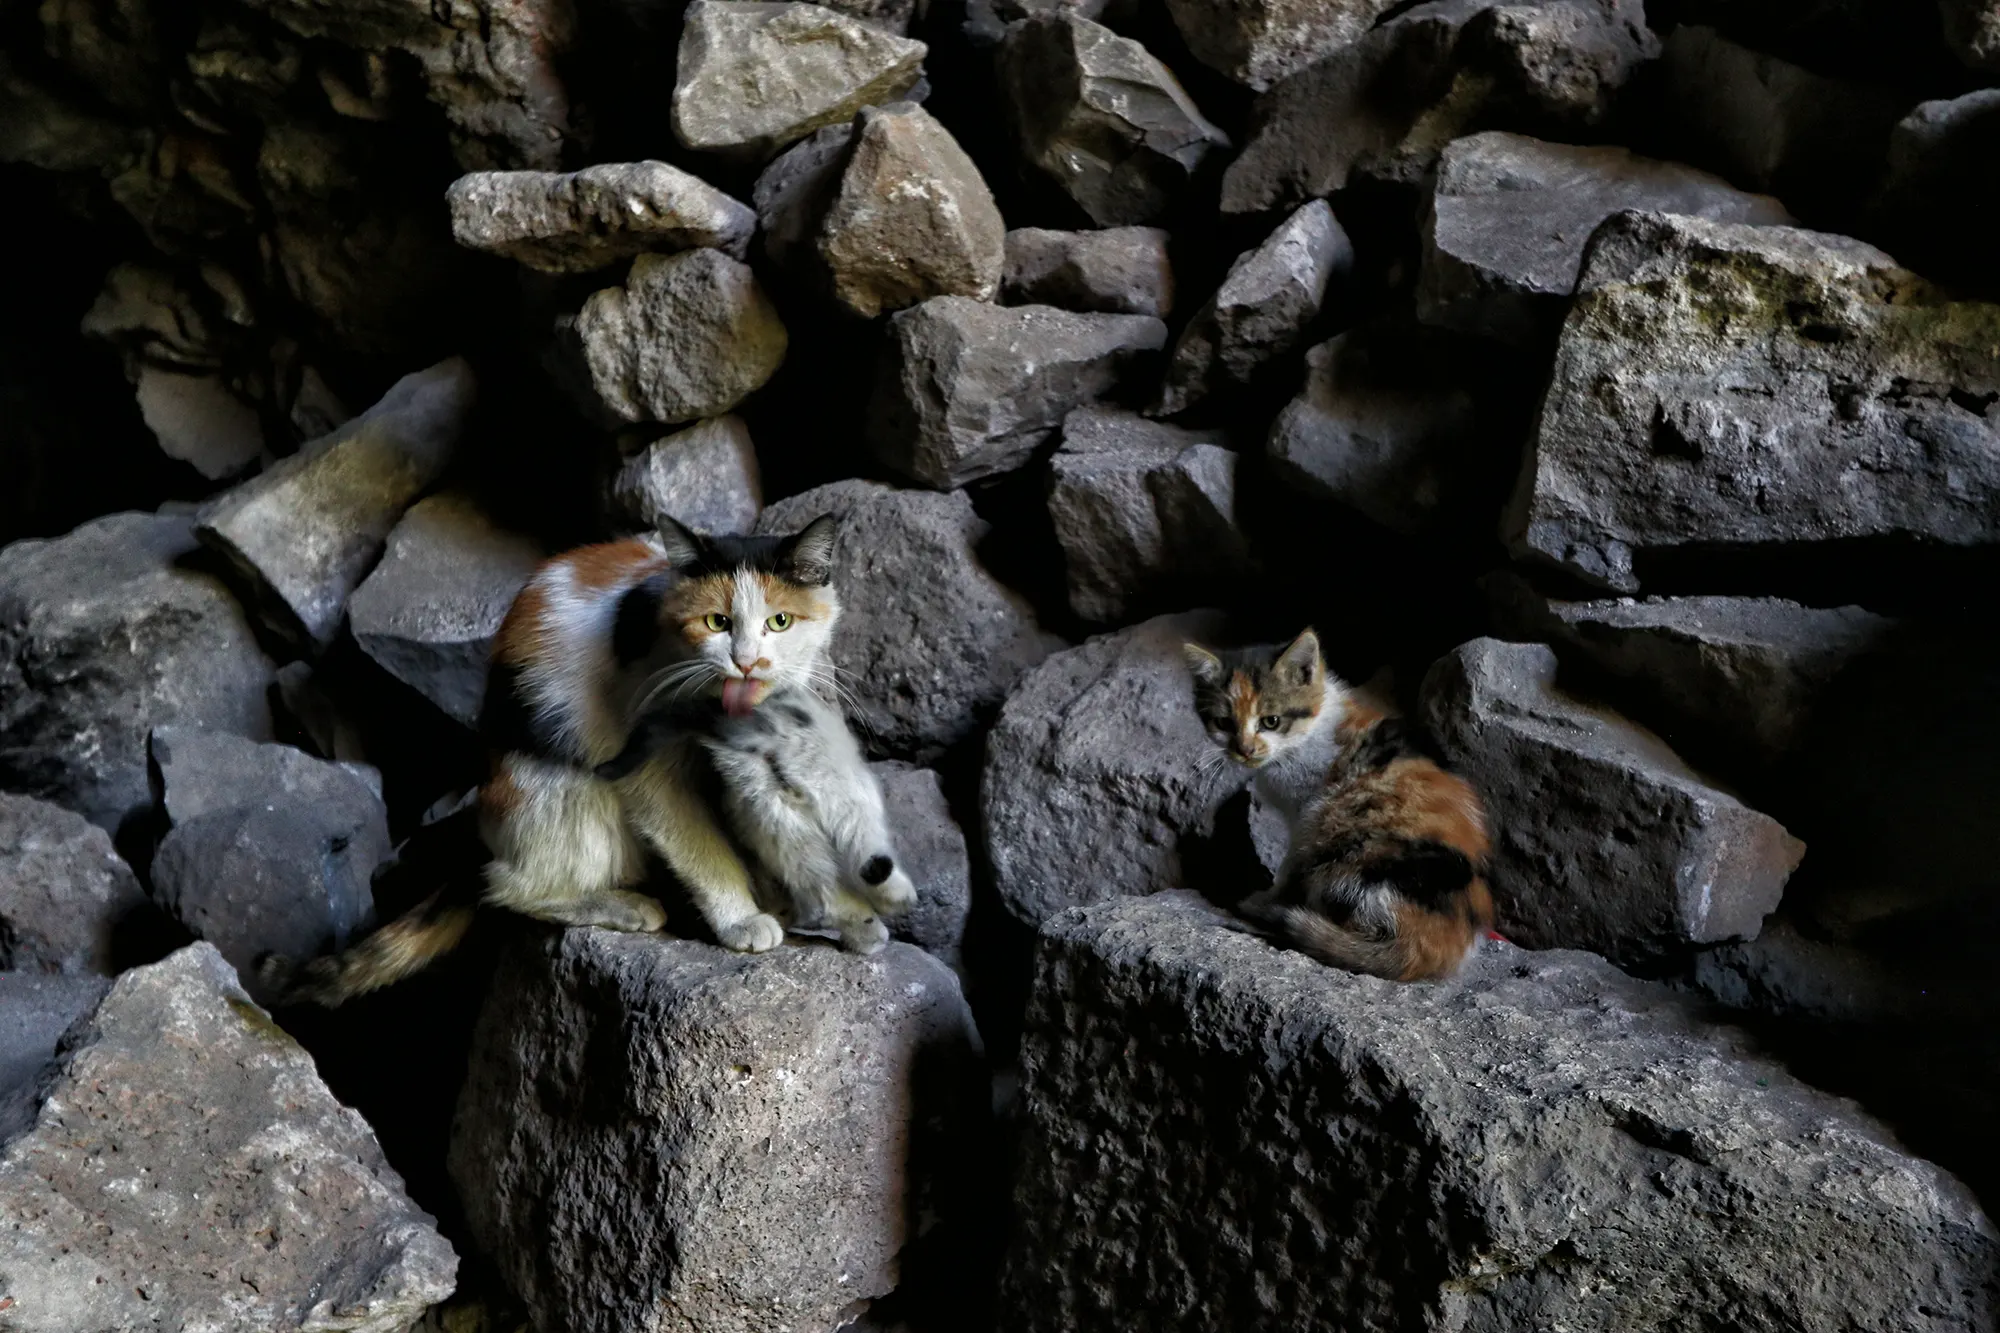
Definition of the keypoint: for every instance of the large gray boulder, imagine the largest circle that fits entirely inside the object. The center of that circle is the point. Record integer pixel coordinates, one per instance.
(103, 635)
(688, 336)
(929, 641)
(1382, 109)
(1261, 42)
(968, 389)
(270, 851)
(912, 218)
(429, 611)
(930, 847)
(1097, 769)
(188, 1169)
(754, 77)
(1603, 839)
(582, 220)
(1116, 270)
(1817, 142)
(1509, 217)
(63, 890)
(1099, 115)
(36, 1009)
(1222, 1136)
(304, 534)
(1757, 388)
(1739, 677)
(1391, 422)
(1145, 513)
(1267, 300)
(659, 1134)
(705, 477)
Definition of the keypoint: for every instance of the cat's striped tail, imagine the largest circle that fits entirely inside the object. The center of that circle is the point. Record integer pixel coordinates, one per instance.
(397, 950)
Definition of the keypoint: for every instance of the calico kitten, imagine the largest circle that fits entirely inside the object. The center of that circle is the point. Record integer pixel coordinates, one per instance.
(801, 800)
(1386, 870)
(597, 637)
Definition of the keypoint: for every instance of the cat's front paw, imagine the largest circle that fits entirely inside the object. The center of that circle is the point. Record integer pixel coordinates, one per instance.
(865, 936)
(753, 934)
(887, 887)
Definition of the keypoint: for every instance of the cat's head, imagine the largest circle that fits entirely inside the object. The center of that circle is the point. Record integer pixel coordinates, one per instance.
(752, 613)
(1258, 703)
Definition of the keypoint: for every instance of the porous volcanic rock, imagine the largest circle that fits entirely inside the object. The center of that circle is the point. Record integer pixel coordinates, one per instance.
(105, 634)
(430, 609)
(1259, 43)
(659, 1134)
(931, 849)
(188, 1169)
(304, 534)
(63, 890)
(582, 220)
(1454, 1155)
(1603, 838)
(1094, 772)
(36, 1009)
(969, 389)
(705, 477)
(1723, 385)
(929, 642)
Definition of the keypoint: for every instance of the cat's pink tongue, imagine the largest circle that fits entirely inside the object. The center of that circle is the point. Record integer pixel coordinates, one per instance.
(739, 697)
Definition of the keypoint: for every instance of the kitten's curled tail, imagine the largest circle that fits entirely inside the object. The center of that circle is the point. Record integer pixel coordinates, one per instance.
(402, 948)
(1312, 934)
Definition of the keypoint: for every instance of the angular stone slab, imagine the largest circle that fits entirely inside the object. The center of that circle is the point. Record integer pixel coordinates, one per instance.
(1603, 838)
(429, 611)
(912, 218)
(189, 1170)
(1222, 1136)
(582, 220)
(705, 477)
(104, 634)
(1099, 115)
(1752, 388)
(305, 533)
(929, 642)
(1741, 674)
(1094, 772)
(688, 336)
(1259, 43)
(1145, 514)
(63, 890)
(1116, 270)
(754, 77)
(1262, 309)
(659, 1134)
(968, 389)
(1509, 217)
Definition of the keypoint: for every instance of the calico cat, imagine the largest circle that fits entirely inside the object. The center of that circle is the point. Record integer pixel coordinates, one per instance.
(801, 800)
(1388, 857)
(597, 637)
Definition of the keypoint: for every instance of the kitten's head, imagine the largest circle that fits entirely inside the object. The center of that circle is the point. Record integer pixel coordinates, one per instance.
(1258, 703)
(755, 612)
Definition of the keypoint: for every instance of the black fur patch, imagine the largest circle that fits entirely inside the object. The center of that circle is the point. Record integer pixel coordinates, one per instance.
(878, 869)
(507, 723)
(637, 628)
(1429, 874)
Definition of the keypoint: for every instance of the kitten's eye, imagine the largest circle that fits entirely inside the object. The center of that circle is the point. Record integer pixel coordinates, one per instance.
(715, 623)
(1270, 722)
(780, 622)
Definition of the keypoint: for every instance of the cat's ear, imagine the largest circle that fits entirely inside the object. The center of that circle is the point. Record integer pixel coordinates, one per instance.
(683, 545)
(807, 558)
(1204, 666)
(1301, 660)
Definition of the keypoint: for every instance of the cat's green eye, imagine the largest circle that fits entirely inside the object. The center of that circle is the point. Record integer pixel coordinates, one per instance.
(1270, 722)
(780, 622)
(715, 623)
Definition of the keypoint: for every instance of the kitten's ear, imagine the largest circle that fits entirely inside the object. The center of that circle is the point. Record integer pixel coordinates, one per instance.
(808, 558)
(683, 545)
(1204, 666)
(1301, 659)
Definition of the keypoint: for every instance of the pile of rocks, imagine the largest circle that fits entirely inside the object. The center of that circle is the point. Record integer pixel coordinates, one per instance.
(1624, 380)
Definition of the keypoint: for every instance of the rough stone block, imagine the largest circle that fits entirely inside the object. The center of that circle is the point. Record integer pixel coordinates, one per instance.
(1259, 43)
(1222, 1136)
(1115, 270)
(593, 218)
(931, 848)
(36, 1009)
(705, 477)
(63, 890)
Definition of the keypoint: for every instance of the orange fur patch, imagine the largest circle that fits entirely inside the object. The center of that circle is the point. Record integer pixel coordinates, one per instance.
(1432, 945)
(612, 564)
(500, 798)
(804, 603)
(524, 632)
(1439, 806)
